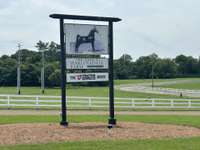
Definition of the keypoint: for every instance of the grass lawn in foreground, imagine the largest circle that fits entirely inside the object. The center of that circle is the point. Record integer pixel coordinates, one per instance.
(153, 144)
(161, 119)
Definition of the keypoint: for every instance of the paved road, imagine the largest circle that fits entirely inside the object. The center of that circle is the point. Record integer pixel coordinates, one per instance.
(146, 88)
(77, 112)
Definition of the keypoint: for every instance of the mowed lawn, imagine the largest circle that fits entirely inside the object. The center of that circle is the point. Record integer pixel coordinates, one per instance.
(161, 119)
(152, 144)
(162, 144)
(193, 85)
(91, 91)
(82, 91)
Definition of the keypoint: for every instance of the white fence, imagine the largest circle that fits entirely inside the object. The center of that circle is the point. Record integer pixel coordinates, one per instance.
(33, 101)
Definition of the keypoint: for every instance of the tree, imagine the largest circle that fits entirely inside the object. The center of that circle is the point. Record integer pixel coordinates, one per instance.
(54, 78)
(7, 71)
(123, 67)
(187, 65)
(30, 74)
(42, 45)
(30, 67)
(165, 68)
(144, 66)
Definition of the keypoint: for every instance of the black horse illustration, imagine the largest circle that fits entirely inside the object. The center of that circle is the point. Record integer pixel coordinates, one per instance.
(86, 39)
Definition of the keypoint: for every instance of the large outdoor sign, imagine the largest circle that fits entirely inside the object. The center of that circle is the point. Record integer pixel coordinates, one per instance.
(86, 77)
(86, 39)
(87, 63)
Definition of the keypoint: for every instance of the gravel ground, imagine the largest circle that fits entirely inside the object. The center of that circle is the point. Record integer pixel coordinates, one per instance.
(44, 132)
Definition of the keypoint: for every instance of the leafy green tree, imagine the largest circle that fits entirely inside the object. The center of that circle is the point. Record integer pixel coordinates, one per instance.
(54, 78)
(30, 74)
(123, 67)
(165, 68)
(42, 45)
(7, 71)
(144, 66)
(187, 65)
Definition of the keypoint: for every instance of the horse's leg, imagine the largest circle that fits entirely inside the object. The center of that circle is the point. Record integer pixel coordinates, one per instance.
(77, 43)
(93, 48)
(76, 47)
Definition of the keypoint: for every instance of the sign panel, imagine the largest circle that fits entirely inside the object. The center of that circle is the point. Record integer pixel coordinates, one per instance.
(86, 39)
(86, 77)
(87, 63)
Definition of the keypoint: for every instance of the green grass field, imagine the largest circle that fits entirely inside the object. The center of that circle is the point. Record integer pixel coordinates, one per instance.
(81, 91)
(152, 144)
(161, 119)
(190, 85)
(162, 144)
(100, 91)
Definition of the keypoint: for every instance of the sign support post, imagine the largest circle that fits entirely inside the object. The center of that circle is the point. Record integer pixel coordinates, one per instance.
(112, 120)
(63, 74)
(109, 20)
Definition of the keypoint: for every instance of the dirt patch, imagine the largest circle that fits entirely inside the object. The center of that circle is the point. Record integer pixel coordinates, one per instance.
(45, 132)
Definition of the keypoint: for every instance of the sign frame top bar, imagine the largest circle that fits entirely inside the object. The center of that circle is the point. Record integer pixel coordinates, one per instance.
(89, 18)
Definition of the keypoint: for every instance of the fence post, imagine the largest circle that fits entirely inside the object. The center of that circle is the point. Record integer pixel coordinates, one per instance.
(172, 103)
(37, 102)
(133, 103)
(189, 103)
(152, 103)
(8, 103)
(89, 102)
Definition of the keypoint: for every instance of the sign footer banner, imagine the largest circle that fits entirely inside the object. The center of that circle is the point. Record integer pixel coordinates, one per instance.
(87, 77)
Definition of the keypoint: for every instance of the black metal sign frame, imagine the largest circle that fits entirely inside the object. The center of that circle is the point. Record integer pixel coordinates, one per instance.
(110, 20)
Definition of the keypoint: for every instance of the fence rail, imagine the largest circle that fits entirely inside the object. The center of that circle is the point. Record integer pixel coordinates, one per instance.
(36, 101)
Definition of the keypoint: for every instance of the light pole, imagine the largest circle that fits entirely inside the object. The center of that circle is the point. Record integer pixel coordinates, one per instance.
(42, 72)
(19, 69)
(152, 76)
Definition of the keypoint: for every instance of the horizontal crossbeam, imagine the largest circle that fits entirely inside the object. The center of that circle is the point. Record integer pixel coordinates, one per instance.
(89, 18)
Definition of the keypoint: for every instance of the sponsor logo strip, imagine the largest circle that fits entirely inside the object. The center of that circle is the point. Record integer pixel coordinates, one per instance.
(87, 77)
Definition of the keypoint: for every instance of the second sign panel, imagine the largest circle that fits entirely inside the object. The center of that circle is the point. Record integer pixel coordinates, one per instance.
(87, 63)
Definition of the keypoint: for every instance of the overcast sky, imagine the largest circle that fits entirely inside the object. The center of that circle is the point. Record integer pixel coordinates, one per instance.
(165, 27)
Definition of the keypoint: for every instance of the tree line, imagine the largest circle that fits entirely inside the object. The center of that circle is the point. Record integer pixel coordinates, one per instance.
(147, 66)
(124, 67)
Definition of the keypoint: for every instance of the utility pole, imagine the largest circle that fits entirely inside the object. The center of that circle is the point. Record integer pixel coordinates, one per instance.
(152, 76)
(19, 69)
(42, 73)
